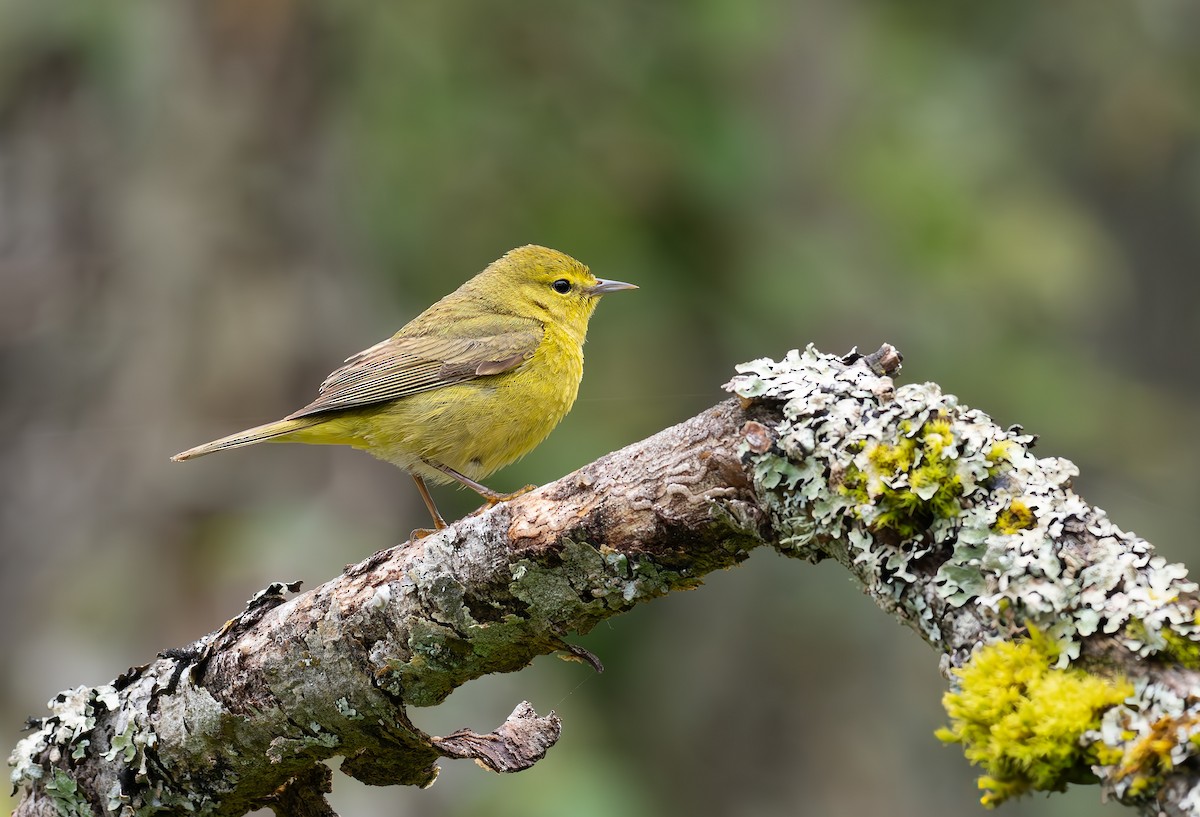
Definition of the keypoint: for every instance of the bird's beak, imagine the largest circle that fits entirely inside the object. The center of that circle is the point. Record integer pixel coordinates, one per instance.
(602, 286)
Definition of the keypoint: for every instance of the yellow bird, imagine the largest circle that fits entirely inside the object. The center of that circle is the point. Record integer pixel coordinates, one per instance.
(467, 387)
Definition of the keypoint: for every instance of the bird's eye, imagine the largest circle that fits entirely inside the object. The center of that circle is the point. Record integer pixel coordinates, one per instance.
(562, 286)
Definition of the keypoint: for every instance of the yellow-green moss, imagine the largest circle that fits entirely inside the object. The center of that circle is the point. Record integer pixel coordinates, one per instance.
(1178, 648)
(1182, 649)
(1017, 516)
(1022, 720)
(910, 483)
(1001, 452)
(893, 459)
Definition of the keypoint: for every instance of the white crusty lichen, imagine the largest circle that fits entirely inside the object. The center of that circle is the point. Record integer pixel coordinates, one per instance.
(938, 510)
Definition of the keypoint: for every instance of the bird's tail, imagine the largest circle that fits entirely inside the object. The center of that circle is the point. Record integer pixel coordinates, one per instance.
(270, 431)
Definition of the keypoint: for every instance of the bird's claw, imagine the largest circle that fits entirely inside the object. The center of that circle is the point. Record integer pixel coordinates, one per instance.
(498, 498)
(492, 500)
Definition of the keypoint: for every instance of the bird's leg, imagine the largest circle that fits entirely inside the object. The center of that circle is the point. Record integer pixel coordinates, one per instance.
(438, 521)
(489, 496)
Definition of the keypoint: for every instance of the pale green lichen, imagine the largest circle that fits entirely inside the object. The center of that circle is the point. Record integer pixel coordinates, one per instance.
(64, 792)
(1024, 721)
(346, 710)
(123, 746)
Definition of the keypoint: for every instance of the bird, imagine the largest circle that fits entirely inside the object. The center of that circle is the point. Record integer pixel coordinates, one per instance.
(472, 384)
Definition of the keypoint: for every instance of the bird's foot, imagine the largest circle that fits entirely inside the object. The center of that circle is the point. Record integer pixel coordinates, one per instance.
(421, 533)
(491, 499)
(495, 499)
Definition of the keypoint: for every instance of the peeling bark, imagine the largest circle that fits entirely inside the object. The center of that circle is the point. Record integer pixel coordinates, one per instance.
(244, 717)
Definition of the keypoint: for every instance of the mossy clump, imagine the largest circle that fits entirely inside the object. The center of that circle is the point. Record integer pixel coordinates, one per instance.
(1022, 720)
(909, 484)
(1169, 645)
(1016, 517)
(1182, 650)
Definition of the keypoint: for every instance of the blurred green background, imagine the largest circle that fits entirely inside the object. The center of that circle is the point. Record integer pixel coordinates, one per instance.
(205, 206)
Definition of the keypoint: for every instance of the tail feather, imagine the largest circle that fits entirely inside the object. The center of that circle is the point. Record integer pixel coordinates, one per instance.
(250, 436)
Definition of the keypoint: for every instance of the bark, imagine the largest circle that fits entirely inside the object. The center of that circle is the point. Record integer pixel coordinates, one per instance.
(959, 532)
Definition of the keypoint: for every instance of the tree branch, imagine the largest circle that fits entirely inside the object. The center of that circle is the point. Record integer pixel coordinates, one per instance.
(1047, 617)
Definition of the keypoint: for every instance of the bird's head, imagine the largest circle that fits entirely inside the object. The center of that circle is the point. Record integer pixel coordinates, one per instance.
(549, 286)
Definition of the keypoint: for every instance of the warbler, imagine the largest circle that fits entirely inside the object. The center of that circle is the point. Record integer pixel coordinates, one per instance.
(473, 383)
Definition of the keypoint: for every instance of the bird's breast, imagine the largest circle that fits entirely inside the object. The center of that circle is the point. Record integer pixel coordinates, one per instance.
(482, 425)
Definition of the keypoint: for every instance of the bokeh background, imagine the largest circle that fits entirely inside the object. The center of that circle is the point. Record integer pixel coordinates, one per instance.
(205, 206)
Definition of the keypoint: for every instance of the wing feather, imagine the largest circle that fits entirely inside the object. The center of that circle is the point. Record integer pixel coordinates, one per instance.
(405, 365)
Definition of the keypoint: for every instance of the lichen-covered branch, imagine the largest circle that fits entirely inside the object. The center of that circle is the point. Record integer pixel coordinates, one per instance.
(1071, 649)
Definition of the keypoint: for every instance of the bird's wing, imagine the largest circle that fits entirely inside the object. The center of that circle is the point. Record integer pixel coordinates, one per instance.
(404, 365)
